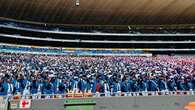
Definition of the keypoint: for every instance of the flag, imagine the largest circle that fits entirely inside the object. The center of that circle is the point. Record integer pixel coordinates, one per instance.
(24, 104)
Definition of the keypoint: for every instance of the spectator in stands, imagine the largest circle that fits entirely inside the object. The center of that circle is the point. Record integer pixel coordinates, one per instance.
(106, 88)
(2, 88)
(27, 74)
(124, 86)
(10, 88)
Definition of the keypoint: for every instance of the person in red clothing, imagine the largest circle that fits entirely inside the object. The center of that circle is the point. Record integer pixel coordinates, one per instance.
(98, 89)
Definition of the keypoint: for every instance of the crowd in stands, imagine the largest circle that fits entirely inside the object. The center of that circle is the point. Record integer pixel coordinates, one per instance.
(26, 74)
(65, 51)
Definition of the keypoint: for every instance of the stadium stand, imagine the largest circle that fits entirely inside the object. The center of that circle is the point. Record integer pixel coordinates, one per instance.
(77, 37)
(97, 55)
(24, 74)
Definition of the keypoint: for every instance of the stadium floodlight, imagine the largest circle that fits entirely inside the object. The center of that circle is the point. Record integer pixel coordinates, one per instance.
(77, 2)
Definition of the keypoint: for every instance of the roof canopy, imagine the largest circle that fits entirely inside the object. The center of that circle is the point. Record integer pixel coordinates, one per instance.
(101, 12)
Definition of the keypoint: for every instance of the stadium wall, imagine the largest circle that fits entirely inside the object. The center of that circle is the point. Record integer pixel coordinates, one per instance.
(124, 103)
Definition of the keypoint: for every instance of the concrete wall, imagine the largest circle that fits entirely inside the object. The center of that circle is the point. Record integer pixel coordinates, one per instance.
(123, 103)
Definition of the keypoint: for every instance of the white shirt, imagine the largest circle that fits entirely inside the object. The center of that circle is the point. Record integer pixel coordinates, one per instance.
(106, 87)
(118, 87)
(10, 88)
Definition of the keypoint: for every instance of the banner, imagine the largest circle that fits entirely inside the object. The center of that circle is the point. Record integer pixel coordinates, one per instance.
(24, 103)
(2, 103)
(71, 94)
(14, 104)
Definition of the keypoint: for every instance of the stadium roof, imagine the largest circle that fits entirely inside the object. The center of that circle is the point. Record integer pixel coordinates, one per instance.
(100, 12)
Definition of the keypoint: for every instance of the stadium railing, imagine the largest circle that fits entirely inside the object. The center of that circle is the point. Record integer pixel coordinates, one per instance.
(85, 95)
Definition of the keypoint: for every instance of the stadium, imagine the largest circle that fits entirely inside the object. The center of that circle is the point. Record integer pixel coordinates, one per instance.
(97, 55)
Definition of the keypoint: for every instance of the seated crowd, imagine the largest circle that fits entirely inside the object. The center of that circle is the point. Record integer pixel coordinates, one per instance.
(27, 74)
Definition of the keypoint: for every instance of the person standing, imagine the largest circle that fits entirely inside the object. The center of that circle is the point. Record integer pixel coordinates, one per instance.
(10, 88)
(26, 92)
(190, 86)
(117, 88)
(74, 85)
(106, 88)
(17, 85)
(82, 85)
(2, 87)
(49, 89)
(98, 88)
(172, 87)
(93, 84)
(34, 87)
(152, 86)
(124, 87)
(40, 88)
(142, 86)
(163, 86)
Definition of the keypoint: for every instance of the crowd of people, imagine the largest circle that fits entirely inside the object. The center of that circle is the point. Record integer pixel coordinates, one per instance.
(27, 74)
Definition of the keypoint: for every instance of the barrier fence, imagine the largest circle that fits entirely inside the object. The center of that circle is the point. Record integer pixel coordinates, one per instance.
(108, 94)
